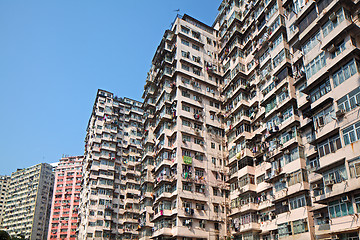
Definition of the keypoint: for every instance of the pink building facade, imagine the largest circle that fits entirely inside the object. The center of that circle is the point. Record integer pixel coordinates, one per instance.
(66, 199)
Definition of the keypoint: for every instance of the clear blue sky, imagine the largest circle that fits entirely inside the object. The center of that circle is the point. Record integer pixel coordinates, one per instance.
(55, 54)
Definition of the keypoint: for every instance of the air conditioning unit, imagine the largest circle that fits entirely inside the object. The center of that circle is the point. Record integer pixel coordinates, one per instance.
(331, 48)
(345, 199)
(335, 237)
(333, 17)
(340, 113)
(329, 183)
(287, 152)
(317, 215)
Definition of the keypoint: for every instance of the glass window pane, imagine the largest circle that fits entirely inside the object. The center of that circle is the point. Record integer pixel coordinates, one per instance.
(352, 68)
(352, 136)
(343, 209)
(332, 212)
(350, 208)
(346, 71)
(337, 211)
(346, 139)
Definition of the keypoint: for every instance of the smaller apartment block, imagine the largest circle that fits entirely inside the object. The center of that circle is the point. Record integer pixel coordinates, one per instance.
(66, 199)
(28, 203)
(109, 206)
(4, 184)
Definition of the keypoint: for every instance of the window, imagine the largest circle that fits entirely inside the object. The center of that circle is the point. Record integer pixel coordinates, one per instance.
(308, 19)
(196, 59)
(202, 223)
(354, 167)
(196, 71)
(186, 43)
(186, 108)
(277, 41)
(200, 188)
(284, 229)
(297, 177)
(357, 202)
(196, 47)
(300, 226)
(260, 179)
(329, 146)
(320, 90)
(185, 30)
(198, 141)
(185, 54)
(344, 73)
(187, 186)
(186, 123)
(311, 43)
(339, 208)
(324, 117)
(340, 47)
(185, 94)
(186, 138)
(280, 57)
(352, 133)
(335, 175)
(195, 34)
(215, 191)
(185, 67)
(350, 101)
(330, 25)
(315, 65)
(216, 226)
(297, 202)
(279, 185)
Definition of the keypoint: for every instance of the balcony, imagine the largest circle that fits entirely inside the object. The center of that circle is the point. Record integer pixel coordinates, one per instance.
(164, 231)
(253, 226)
(337, 189)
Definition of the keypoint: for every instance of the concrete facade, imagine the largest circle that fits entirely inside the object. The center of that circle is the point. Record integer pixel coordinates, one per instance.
(286, 76)
(183, 187)
(4, 187)
(28, 203)
(66, 198)
(109, 207)
(291, 102)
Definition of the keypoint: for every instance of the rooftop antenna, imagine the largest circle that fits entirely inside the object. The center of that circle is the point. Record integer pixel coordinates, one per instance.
(177, 10)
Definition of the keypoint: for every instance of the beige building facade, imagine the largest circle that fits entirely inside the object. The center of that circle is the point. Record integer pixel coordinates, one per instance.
(285, 78)
(109, 207)
(291, 89)
(28, 203)
(4, 187)
(183, 188)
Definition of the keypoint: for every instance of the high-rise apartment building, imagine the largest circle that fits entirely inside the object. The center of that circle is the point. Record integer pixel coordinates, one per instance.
(251, 129)
(183, 182)
(66, 198)
(28, 203)
(323, 37)
(109, 207)
(287, 76)
(291, 105)
(269, 187)
(4, 187)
